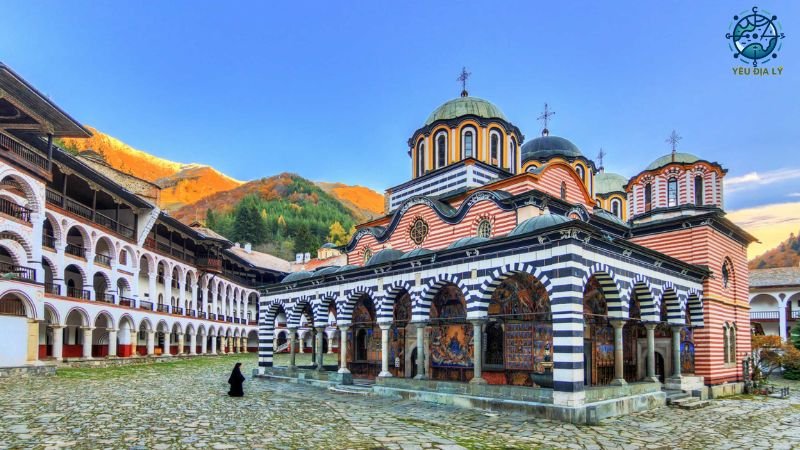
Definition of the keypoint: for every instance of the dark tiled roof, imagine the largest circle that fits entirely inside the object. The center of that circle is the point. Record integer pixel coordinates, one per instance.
(781, 276)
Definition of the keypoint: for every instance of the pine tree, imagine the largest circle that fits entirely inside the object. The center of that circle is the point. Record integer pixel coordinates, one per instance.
(248, 224)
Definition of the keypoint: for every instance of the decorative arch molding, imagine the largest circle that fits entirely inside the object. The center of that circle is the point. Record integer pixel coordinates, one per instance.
(146, 322)
(391, 291)
(33, 194)
(11, 237)
(293, 318)
(421, 306)
(694, 303)
(30, 306)
(344, 309)
(641, 287)
(49, 307)
(125, 317)
(616, 303)
(448, 215)
(321, 306)
(670, 298)
(19, 254)
(587, 196)
(82, 313)
(109, 318)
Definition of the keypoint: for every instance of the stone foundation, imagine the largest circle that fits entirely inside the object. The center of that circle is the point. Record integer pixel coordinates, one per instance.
(601, 402)
(686, 383)
(43, 370)
(725, 390)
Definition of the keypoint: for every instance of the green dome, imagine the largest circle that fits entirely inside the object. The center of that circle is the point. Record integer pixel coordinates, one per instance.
(463, 242)
(416, 252)
(464, 106)
(325, 270)
(605, 182)
(538, 223)
(686, 158)
(545, 147)
(384, 256)
(297, 276)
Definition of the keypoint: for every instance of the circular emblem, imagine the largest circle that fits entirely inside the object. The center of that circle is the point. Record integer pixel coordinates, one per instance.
(418, 231)
(755, 36)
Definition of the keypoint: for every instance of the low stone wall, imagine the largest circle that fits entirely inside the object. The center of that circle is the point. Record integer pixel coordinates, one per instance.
(602, 393)
(725, 390)
(28, 371)
(303, 375)
(521, 393)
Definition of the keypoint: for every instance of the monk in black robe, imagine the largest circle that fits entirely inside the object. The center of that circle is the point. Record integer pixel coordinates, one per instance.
(235, 380)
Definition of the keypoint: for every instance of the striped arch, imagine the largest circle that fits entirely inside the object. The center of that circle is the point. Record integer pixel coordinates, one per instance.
(695, 305)
(293, 320)
(497, 277)
(669, 297)
(346, 304)
(647, 300)
(421, 306)
(321, 305)
(391, 292)
(616, 304)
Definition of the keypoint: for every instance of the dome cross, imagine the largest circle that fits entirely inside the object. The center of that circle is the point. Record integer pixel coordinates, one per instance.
(673, 140)
(463, 77)
(545, 118)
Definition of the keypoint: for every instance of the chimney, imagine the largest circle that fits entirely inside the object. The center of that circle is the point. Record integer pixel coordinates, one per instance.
(248, 247)
(236, 244)
(306, 257)
(298, 258)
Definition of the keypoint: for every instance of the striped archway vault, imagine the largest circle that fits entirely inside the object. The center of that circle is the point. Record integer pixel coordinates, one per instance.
(498, 276)
(320, 308)
(296, 312)
(647, 301)
(391, 292)
(695, 307)
(266, 331)
(670, 298)
(421, 306)
(344, 308)
(617, 306)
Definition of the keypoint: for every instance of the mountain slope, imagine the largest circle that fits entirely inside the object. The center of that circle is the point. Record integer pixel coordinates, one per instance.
(364, 202)
(786, 254)
(181, 183)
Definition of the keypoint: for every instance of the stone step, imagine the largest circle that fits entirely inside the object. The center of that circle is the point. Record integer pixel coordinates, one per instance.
(674, 397)
(350, 389)
(697, 404)
(683, 401)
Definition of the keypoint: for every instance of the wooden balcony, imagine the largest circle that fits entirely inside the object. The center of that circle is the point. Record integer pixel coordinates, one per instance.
(14, 210)
(24, 155)
(81, 210)
(13, 272)
(209, 264)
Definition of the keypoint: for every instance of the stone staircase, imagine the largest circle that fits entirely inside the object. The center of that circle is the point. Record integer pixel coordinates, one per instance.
(682, 400)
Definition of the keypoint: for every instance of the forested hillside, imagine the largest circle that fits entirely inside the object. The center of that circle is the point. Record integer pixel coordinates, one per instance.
(280, 215)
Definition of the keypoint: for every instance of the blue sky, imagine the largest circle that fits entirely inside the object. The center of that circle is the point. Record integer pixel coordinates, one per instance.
(333, 90)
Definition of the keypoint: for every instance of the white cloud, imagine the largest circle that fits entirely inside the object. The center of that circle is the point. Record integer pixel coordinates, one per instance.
(794, 194)
(755, 179)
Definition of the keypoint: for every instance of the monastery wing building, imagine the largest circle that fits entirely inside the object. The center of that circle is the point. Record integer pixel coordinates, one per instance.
(91, 268)
(512, 270)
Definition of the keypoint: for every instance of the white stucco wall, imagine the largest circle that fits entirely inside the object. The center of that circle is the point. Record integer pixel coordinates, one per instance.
(13, 341)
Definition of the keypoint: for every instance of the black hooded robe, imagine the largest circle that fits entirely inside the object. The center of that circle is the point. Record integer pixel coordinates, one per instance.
(235, 380)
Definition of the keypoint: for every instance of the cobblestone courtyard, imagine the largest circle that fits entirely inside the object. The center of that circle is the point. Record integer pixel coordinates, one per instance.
(184, 405)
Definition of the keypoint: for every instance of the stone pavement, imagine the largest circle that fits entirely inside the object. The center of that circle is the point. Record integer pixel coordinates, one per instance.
(184, 405)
